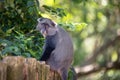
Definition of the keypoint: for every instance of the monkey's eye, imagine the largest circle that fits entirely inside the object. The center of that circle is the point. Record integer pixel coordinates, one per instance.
(44, 25)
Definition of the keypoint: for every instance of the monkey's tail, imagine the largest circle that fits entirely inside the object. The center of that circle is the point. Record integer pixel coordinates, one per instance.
(74, 73)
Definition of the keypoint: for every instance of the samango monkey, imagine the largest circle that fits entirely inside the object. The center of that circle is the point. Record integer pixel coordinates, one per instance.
(58, 47)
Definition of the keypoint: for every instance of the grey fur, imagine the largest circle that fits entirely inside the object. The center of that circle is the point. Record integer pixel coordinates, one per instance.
(61, 57)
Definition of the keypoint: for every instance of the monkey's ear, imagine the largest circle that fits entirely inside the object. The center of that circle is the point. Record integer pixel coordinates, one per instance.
(38, 19)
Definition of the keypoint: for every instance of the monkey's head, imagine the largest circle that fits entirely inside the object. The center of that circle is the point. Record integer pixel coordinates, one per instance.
(46, 26)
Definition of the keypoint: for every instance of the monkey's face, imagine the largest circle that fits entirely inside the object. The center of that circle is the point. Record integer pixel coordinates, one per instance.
(46, 26)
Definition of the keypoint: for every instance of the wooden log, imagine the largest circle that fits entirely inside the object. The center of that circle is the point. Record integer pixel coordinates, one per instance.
(19, 68)
(40, 70)
(39, 74)
(57, 76)
(31, 69)
(47, 72)
(3, 70)
(15, 66)
(42, 66)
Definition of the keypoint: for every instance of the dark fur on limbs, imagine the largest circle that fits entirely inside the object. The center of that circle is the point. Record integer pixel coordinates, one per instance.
(49, 47)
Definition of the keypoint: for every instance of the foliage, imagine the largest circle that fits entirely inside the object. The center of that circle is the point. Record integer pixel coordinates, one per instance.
(18, 19)
(28, 46)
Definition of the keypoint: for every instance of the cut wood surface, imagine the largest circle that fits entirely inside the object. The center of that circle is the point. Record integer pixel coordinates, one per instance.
(20, 68)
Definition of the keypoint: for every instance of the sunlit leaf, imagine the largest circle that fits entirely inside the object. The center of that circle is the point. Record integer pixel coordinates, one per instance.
(80, 26)
(55, 11)
(114, 56)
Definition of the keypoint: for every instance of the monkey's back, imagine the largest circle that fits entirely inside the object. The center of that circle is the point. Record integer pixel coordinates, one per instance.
(62, 56)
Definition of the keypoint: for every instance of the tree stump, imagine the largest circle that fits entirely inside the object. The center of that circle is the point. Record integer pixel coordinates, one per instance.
(20, 68)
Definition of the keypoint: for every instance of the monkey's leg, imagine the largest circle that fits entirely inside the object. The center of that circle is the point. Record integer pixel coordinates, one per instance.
(63, 73)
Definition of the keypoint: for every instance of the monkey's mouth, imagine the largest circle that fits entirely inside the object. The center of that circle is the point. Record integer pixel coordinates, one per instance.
(44, 33)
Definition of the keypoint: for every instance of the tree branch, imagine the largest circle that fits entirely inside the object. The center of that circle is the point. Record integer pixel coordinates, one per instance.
(92, 58)
(82, 71)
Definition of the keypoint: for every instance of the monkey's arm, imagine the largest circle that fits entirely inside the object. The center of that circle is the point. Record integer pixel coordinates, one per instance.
(49, 47)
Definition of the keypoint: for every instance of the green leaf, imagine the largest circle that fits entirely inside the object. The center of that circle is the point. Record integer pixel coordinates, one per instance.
(11, 49)
(5, 42)
(30, 3)
(27, 54)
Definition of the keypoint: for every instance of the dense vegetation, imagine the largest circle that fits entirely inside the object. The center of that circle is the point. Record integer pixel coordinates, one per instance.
(93, 24)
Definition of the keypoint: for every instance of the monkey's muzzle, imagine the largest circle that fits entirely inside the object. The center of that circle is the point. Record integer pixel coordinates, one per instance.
(44, 33)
